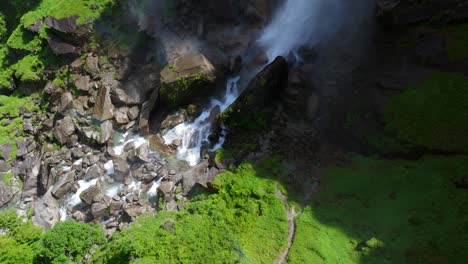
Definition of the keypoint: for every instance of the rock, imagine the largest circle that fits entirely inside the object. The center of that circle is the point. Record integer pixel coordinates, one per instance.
(4, 167)
(461, 184)
(92, 65)
(197, 175)
(140, 154)
(36, 26)
(167, 187)
(27, 126)
(64, 129)
(157, 143)
(121, 168)
(64, 25)
(133, 113)
(235, 64)
(31, 176)
(107, 132)
(94, 171)
(65, 100)
(88, 195)
(46, 211)
(77, 64)
(6, 194)
(59, 47)
(171, 206)
(140, 84)
(173, 120)
(99, 210)
(63, 185)
(133, 211)
(188, 64)
(146, 109)
(104, 109)
(266, 87)
(82, 82)
(115, 206)
(121, 116)
(5, 150)
(79, 216)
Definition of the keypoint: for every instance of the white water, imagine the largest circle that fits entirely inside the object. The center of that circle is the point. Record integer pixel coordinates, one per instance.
(75, 199)
(194, 134)
(153, 191)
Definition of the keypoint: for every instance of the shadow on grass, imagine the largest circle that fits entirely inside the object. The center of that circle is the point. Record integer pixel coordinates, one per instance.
(379, 211)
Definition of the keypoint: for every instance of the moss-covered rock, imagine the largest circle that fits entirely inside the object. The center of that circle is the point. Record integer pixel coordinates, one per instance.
(433, 114)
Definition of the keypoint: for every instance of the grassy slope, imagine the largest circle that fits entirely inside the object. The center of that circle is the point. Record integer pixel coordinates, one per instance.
(387, 212)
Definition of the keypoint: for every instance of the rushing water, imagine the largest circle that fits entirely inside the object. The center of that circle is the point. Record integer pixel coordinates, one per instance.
(194, 134)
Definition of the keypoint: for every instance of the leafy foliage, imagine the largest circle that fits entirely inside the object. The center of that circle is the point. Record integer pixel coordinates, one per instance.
(69, 242)
(434, 114)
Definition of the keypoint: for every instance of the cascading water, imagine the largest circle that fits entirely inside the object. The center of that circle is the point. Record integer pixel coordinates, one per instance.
(193, 135)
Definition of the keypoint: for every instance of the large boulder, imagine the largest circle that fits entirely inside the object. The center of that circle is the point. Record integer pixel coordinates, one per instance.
(64, 129)
(104, 109)
(33, 168)
(63, 185)
(190, 76)
(199, 174)
(46, 211)
(6, 194)
(89, 195)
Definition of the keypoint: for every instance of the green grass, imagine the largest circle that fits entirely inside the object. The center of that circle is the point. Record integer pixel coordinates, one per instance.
(433, 114)
(457, 42)
(381, 211)
(241, 222)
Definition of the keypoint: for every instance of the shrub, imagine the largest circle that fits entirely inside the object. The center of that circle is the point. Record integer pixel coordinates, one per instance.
(69, 242)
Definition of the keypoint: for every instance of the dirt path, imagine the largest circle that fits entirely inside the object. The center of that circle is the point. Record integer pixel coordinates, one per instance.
(290, 215)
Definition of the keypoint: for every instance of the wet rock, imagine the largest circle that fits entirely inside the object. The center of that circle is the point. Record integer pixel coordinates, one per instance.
(173, 120)
(64, 129)
(157, 143)
(235, 64)
(121, 168)
(140, 154)
(104, 109)
(6, 194)
(187, 64)
(94, 171)
(63, 185)
(88, 195)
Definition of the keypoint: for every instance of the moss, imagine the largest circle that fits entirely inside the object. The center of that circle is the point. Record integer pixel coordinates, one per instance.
(84, 9)
(433, 114)
(3, 28)
(381, 211)
(183, 89)
(22, 39)
(29, 68)
(224, 154)
(7, 178)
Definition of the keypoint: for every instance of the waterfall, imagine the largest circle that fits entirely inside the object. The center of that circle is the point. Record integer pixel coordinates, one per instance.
(194, 135)
(298, 23)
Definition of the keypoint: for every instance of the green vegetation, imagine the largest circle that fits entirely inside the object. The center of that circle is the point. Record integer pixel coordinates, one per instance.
(183, 89)
(69, 242)
(242, 222)
(381, 211)
(3, 27)
(457, 42)
(434, 114)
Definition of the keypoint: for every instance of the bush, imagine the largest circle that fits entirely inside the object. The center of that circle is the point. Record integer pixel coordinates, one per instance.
(69, 242)
(3, 28)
